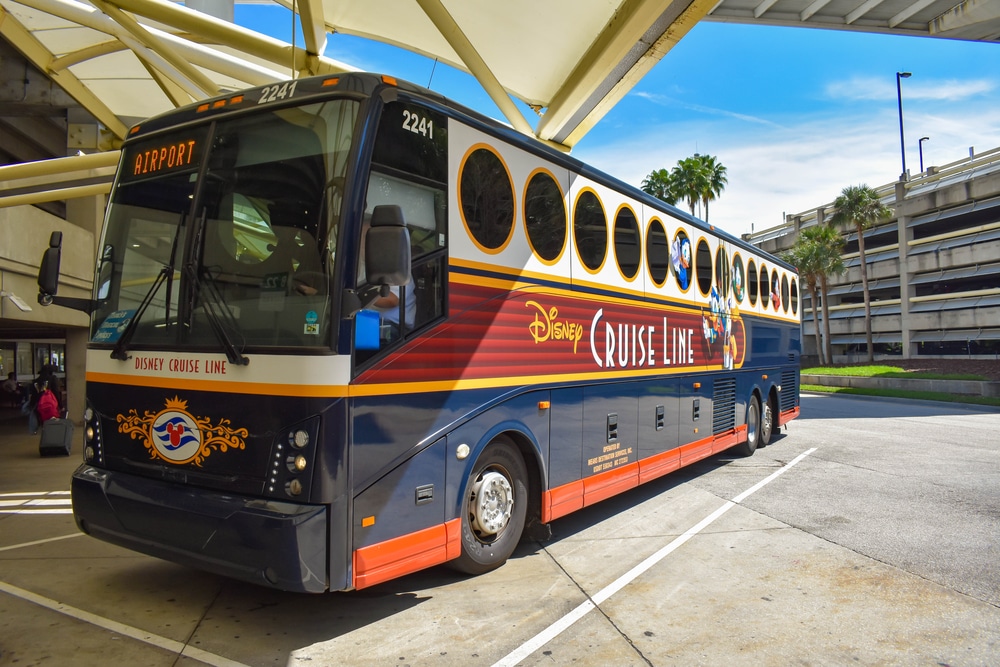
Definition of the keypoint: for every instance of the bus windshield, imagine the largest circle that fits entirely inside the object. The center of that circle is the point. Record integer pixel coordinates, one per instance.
(224, 235)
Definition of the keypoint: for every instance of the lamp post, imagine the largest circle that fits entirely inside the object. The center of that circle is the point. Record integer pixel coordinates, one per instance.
(920, 147)
(899, 100)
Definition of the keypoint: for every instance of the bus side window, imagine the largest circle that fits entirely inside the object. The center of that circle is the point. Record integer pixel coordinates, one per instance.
(428, 289)
(410, 170)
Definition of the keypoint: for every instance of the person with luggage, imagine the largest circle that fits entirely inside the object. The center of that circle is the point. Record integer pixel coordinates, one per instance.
(47, 379)
(57, 432)
(48, 406)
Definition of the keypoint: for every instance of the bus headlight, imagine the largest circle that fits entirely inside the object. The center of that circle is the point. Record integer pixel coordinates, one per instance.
(293, 453)
(91, 436)
(297, 463)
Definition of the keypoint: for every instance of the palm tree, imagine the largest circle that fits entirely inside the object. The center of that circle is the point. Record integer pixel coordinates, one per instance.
(829, 245)
(860, 206)
(691, 179)
(660, 185)
(816, 254)
(802, 258)
(716, 180)
(698, 179)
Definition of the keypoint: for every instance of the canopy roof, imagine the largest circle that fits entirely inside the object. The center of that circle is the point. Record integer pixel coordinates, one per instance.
(569, 60)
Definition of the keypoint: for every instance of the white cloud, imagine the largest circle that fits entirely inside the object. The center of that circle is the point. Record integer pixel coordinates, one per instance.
(795, 169)
(881, 89)
(672, 103)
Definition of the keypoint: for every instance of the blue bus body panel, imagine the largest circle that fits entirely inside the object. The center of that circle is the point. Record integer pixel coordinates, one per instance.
(264, 542)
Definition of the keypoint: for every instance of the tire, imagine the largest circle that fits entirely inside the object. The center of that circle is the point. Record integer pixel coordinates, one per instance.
(748, 447)
(494, 508)
(766, 424)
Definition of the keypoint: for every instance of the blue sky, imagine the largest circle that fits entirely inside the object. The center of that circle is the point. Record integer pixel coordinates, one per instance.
(794, 114)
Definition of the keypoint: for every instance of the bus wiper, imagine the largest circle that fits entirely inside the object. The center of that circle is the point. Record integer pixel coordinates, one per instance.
(121, 347)
(218, 313)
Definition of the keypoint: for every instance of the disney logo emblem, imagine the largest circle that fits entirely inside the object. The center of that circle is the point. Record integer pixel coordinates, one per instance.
(546, 327)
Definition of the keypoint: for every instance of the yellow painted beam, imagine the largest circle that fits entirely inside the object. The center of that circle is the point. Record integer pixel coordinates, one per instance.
(42, 58)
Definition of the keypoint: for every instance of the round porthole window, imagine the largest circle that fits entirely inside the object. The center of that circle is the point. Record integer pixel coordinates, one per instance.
(487, 196)
(628, 252)
(703, 264)
(545, 216)
(590, 230)
(680, 260)
(657, 252)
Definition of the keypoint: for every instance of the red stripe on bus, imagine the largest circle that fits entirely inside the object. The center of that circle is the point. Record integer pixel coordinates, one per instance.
(407, 553)
(659, 465)
(606, 484)
(696, 451)
(723, 441)
(788, 415)
(562, 500)
(568, 498)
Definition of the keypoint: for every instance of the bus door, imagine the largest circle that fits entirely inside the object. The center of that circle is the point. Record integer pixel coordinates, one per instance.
(610, 440)
(659, 427)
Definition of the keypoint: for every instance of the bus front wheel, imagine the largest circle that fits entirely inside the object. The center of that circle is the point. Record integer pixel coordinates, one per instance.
(494, 508)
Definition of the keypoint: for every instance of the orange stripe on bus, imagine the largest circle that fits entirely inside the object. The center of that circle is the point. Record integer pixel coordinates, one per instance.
(788, 415)
(659, 465)
(226, 387)
(562, 500)
(723, 441)
(606, 484)
(408, 553)
(568, 498)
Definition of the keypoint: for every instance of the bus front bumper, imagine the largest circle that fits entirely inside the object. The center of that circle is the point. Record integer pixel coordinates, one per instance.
(277, 544)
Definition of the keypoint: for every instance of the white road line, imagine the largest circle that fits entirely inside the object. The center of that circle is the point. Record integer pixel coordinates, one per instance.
(47, 502)
(551, 632)
(121, 629)
(31, 544)
(42, 502)
(34, 494)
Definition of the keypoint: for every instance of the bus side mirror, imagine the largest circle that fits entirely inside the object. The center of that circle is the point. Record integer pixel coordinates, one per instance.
(48, 271)
(387, 247)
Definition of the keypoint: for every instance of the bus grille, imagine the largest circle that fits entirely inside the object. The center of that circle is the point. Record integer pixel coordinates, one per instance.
(789, 390)
(723, 405)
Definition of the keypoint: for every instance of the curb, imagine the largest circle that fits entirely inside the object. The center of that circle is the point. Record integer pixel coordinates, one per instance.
(961, 387)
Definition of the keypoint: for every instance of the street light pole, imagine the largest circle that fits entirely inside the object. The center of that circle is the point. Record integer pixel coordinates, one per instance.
(920, 147)
(899, 100)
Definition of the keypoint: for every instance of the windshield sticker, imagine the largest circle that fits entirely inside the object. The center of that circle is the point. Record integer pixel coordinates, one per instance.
(312, 324)
(113, 326)
(174, 435)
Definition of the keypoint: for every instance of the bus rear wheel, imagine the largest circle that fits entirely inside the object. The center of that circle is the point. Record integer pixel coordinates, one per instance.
(749, 446)
(766, 423)
(494, 508)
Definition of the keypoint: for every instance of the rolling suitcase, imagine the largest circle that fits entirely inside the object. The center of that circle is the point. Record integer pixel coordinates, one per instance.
(57, 437)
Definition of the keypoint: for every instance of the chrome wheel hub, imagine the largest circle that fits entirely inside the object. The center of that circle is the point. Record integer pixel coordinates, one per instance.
(491, 503)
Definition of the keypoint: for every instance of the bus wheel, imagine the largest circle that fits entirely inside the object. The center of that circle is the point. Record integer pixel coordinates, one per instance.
(748, 447)
(494, 509)
(766, 423)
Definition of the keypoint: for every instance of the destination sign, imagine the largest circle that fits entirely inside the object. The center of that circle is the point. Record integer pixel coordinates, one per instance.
(163, 157)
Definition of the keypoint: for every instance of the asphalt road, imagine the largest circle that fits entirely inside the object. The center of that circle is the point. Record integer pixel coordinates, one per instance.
(878, 545)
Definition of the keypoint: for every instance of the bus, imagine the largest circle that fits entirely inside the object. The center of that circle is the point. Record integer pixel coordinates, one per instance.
(344, 329)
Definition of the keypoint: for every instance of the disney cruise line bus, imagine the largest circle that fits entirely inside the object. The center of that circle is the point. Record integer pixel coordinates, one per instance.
(344, 329)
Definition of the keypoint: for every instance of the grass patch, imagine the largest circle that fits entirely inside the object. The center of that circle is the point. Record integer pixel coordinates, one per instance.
(887, 372)
(899, 393)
